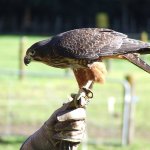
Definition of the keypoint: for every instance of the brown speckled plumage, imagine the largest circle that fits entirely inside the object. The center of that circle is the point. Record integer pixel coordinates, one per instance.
(84, 49)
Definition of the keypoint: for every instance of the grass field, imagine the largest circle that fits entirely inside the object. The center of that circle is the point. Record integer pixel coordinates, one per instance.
(28, 103)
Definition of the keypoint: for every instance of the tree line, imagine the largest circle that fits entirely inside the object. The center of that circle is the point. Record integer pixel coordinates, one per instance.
(53, 16)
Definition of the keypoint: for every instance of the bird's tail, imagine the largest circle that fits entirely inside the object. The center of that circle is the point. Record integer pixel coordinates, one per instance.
(133, 58)
(143, 51)
(133, 46)
(142, 47)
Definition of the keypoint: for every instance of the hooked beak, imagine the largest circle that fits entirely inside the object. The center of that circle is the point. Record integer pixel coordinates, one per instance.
(27, 60)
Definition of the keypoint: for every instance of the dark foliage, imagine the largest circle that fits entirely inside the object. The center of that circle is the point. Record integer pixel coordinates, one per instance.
(53, 16)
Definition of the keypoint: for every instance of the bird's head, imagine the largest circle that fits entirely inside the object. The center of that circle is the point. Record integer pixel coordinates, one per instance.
(37, 52)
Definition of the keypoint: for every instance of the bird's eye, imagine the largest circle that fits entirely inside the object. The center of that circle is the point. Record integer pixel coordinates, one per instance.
(32, 52)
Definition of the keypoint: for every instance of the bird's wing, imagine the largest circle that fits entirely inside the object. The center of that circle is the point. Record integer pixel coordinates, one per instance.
(88, 43)
(91, 43)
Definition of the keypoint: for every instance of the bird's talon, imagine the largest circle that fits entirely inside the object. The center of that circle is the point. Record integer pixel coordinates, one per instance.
(76, 103)
(88, 92)
(73, 95)
(83, 101)
(83, 97)
(70, 98)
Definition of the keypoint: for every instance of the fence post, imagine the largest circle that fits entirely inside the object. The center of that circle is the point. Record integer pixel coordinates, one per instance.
(21, 57)
(128, 112)
(131, 81)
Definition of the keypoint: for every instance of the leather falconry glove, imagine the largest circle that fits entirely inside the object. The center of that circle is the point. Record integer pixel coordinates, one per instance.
(65, 125)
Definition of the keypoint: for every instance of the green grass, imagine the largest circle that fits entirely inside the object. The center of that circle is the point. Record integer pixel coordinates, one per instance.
(14, 142)
(29, 102)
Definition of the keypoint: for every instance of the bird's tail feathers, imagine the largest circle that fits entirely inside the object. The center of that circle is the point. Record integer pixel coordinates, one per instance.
(143, 51)
(142, 47)
(134, 46)
(133, 58)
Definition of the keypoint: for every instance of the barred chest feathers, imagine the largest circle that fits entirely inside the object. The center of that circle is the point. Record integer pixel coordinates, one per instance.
(62, 62)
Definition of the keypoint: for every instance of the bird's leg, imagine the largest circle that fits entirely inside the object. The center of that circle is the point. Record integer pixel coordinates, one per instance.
(88, 84)
(82, 98)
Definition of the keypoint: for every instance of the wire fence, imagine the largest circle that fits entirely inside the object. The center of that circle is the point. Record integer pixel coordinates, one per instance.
(26, 104)
(24, 108)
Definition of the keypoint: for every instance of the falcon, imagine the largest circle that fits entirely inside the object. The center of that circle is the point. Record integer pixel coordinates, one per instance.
(83, 50)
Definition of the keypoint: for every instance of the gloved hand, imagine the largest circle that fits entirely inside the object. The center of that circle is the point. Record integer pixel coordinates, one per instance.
(65, 126)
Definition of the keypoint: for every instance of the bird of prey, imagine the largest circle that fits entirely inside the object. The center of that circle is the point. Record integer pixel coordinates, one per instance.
(83, 50)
